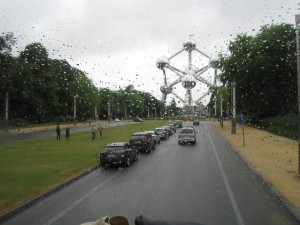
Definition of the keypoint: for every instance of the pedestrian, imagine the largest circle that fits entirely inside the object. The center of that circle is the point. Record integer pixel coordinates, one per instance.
(68, 133)
(93, 134)
(100, 130)
(57, 133)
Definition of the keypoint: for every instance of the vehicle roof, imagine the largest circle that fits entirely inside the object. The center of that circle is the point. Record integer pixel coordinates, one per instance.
(184, 128)
(139, 133)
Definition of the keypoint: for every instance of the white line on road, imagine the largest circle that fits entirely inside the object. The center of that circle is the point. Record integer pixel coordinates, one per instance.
(234, 204)
(78, 201)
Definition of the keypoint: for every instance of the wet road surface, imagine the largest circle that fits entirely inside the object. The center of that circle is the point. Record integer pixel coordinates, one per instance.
(206, 183)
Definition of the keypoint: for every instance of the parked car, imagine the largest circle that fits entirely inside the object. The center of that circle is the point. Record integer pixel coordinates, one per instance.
(118, 153)
(173, 128)
(155, 136)
(162, 133)
(168, 128)
(187, 135)
(178, 124)
(137, 119)
(196, 122)
(142, 142)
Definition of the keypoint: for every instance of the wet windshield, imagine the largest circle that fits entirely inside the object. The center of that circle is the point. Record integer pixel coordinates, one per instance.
(217, 81)
(187, 131)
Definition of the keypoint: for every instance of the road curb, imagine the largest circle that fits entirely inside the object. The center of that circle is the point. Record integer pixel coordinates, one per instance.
(274, 192)
(31, 202)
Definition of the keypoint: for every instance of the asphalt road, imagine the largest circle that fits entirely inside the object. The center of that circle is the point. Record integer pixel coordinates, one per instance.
(206, 183)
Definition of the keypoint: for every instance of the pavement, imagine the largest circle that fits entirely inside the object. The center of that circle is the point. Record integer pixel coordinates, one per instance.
(271, 156)
(206, 183)
(274, 157)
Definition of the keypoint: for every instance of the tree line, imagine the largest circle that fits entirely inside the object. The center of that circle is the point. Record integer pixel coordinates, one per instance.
(263, 67)
(42, 89)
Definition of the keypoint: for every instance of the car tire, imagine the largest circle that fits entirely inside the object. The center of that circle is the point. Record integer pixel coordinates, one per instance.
(127, 162)
(136, 157)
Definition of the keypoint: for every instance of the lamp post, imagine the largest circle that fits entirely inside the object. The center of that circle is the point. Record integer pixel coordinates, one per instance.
(221, 111)
(108, 111)
(233, 121)
(75, 107)
(297, 20)
(215, 107)
(6, 120)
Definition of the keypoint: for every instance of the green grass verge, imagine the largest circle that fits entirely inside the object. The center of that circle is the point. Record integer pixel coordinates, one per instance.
(31, 167)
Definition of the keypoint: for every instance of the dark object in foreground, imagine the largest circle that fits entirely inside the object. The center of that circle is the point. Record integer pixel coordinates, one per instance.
(143, 220)
(196, 122)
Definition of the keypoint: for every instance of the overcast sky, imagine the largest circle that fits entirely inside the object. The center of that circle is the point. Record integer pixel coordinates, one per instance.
(117, 42)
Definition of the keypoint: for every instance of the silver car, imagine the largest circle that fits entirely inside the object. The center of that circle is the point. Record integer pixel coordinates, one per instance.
(187, 135)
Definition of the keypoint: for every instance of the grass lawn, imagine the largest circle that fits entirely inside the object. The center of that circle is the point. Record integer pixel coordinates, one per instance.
(31, 167)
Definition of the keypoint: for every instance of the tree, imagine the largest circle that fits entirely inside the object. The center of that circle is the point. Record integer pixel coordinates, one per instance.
(135, 104)
(173, 108)
(38, 87)
(7, 72)
(264, 69)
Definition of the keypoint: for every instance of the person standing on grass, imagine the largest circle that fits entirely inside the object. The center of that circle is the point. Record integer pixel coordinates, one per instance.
(57, 133)
(100, 130)
(93, 134)
(68, 133)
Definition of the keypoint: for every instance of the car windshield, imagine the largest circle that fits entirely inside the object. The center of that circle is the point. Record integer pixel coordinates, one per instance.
(158, 130)
(138, 137)
(217, 81)
(187, 131)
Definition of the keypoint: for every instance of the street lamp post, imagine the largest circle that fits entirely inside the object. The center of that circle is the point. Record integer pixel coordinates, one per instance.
(221, 111)
(6, 120)
(297, 20)
(233, 122)
(108, 111)
(75, 107)
(215, 107)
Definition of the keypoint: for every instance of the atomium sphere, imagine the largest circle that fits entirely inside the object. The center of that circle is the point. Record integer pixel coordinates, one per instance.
(165, 89)
(188, 82)
(162, 62)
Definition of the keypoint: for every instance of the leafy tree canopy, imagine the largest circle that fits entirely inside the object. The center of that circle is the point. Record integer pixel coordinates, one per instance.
(264, 69)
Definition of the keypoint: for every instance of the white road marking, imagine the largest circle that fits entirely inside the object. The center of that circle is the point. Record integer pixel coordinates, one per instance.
(78, 201)
(234, 204)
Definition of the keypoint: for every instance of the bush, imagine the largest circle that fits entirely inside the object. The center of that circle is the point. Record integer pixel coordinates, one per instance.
(18, 122)
(286, 125)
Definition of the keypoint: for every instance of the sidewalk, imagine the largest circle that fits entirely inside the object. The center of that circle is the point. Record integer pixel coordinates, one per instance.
(272, 156)
(45, 127)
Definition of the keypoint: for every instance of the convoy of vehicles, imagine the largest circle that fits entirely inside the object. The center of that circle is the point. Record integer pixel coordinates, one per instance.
(123, 153)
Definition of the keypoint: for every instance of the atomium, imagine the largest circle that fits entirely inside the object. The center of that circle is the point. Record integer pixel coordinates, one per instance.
(189, 77)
